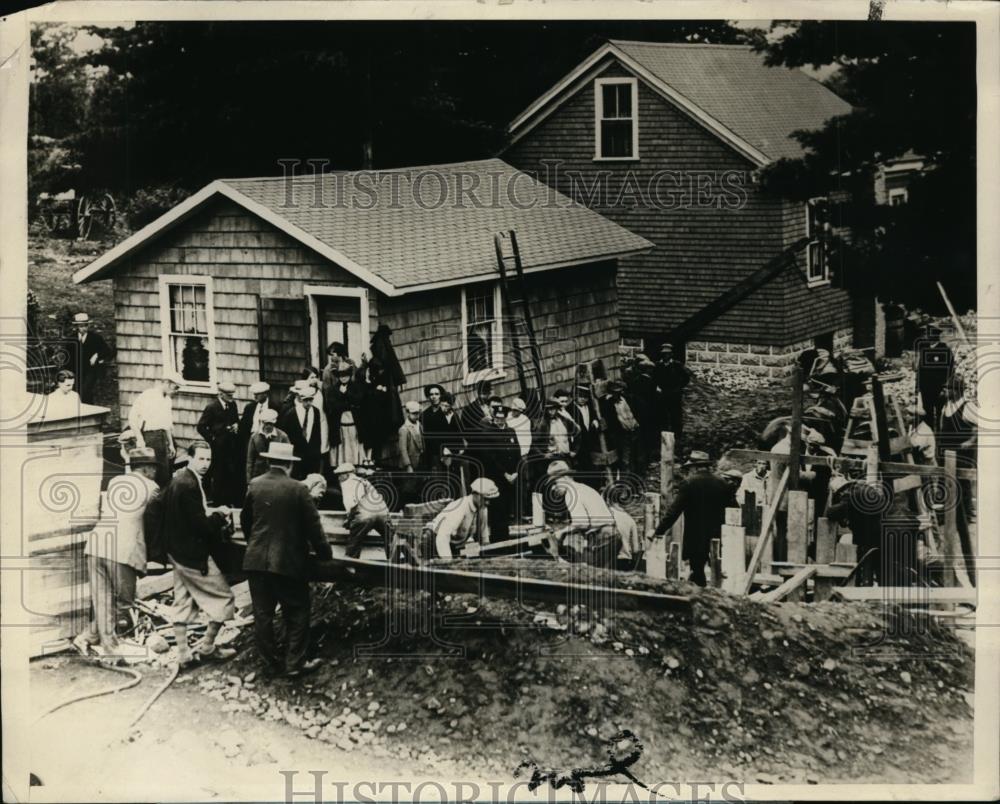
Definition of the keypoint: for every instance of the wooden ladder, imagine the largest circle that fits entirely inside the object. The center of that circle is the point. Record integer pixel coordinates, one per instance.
(518, 312)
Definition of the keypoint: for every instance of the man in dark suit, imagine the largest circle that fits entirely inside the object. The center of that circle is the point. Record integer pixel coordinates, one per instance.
(218, 425)
(703, 499)
(671, 378)
(281, 523)
(88, 356)
(250, 421)
(500, 456)
(193, 540)
(261, 443)
(433, 426)
(301, 423)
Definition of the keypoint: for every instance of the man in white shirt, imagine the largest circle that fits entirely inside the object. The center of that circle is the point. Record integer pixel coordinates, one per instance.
(366, 510)
(520, 424)
(591, 535)
(116, 551)
(151, 418)
(756, 481)
(461, 520)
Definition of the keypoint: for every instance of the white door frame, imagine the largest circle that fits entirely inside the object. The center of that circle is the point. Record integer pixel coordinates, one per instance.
(311, 292)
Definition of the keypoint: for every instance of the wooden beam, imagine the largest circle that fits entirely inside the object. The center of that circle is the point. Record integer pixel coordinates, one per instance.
(656, 549)
(954, 564)
(826, 549)
(795, 436)
(793, 584)
(674, 561)
(798, 526)
(846, 553)
(881, 421)
(887, 467)
(715, 561)
(916, 595)
(764, 541)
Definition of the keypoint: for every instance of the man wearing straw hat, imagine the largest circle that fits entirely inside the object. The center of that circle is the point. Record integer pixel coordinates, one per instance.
(281, 524)
(89, 355)
(702, 498)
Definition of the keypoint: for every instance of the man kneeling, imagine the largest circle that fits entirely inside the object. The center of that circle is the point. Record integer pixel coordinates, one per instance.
(591, 536)
(461, 520)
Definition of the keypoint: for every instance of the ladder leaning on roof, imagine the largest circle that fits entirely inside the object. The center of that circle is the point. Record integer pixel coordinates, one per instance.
(515, 295)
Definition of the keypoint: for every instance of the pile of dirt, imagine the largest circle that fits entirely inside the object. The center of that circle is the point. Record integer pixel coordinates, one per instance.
(719, 419)
(786, 692)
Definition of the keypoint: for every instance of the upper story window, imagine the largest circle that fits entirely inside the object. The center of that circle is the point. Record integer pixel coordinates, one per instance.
(898, 196)
(616, 118)
(817, 252)
(188, 328)
(482, 332)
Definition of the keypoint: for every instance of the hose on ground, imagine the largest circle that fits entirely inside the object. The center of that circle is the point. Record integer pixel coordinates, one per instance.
(136, 679)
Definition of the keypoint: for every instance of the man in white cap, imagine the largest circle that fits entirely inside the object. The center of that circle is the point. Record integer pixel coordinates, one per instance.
(302, 424)
(151, 419)
(261, 442)
(591, 535)
(366, 510)
(462, 520)
(250, 423)
(88, 356)
(218, 425)
(281, 525)
(409, 454)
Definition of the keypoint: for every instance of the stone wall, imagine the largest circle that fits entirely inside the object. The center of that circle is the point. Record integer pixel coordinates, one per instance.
(768, 362)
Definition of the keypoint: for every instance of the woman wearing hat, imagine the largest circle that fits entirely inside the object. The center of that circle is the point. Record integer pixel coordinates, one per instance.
(345, 412)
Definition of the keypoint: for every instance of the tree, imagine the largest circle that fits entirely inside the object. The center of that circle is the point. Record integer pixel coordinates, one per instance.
(913, 86)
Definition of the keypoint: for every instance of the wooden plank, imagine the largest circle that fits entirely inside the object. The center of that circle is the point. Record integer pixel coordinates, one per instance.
(656, 549)
(902, 484)
(887, 467)
(537, 510)
(795, 446)
(798, 525)
(764, 541)
(908, 594)
(667, 483)
(826, 549)
(674, 561)
(793, 584)
(734, 516)
(734, 561)
(846, 553)
(715, 561)
(827, 571)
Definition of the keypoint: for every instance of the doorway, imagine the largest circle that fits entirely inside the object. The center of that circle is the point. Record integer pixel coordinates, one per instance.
(338, 314)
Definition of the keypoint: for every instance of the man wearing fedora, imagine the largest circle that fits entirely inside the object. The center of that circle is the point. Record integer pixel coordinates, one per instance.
(256, 463)
(702, 498)
(88, 357)
(116, 551)
(300, 422)
(462, 520)
(218, 425)
(151, 420)
(281, 524)
(366, 509)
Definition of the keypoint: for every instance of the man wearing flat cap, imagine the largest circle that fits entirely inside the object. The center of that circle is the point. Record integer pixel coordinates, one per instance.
(250, 424)
(366, 509)
(592, 534)
(300, 422)
(261, 443)
(116, 551)
(702, 498)
(462, 520)
(282, 528)
(218, 425)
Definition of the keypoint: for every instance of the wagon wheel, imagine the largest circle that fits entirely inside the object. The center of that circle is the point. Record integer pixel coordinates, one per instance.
(48, 217)
(84, 218)
(105, 212)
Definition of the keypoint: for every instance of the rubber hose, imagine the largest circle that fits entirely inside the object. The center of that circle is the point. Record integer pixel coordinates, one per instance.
(174, 670)
(136, 678)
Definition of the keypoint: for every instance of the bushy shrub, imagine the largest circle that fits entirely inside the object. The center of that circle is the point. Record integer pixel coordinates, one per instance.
(148, 204)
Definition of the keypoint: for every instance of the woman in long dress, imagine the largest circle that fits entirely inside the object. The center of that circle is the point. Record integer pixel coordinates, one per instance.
(345, 410)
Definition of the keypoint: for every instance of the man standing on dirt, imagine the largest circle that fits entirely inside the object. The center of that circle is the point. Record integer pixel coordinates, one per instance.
(671, 378)
(151, 419)
(281, 523)
(191, 536)
(703, 499)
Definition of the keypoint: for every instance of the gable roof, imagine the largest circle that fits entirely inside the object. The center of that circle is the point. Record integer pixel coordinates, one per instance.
(726, 88)
(410, 229)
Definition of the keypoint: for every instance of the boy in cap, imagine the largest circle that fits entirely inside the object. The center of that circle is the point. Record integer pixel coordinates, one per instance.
(260, 443)
(218, 425)
(410, 446)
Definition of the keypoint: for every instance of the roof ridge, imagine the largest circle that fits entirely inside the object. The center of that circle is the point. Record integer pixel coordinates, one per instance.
(370, 170)
(678, 44)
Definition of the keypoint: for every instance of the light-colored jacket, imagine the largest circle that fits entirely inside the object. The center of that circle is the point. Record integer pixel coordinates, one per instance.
(118, 535)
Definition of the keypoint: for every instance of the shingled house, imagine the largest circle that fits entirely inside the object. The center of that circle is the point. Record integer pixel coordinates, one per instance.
(666, 140)
(252, 278)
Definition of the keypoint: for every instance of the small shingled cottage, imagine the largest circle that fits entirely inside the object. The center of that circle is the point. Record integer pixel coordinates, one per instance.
(666, 140)
(252, 278)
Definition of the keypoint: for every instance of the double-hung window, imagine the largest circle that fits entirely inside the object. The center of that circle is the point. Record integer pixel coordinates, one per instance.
(188, 328)
(482, 332)
(616, 123)
(817, 252)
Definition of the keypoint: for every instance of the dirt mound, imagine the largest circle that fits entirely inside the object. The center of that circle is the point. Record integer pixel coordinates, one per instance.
(785, 692)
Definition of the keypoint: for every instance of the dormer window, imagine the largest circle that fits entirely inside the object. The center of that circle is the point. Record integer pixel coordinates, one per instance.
(616, 122)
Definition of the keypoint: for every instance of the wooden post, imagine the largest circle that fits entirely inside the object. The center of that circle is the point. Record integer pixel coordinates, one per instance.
(715, 562)
(764, 541)
(656, 549)
(881, 421)
(751, 514)
(734, 558)
(673, 561)
(954, 315)
(826, 543)
(954, 569)
(676, 533)
(795, 448)
(845, 553)
(537, 510)
(798, 534)
(734, 516)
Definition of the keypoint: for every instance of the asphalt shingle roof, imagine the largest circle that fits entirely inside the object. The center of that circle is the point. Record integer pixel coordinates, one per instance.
(413, 226)
(761, 104)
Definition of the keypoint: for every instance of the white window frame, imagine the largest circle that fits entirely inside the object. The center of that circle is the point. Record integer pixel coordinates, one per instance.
(599, 84)
(811, 281)
(898, 192)
(166, 281)
(497, 371)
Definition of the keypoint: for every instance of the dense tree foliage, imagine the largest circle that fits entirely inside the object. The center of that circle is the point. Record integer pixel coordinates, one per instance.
(913, 86)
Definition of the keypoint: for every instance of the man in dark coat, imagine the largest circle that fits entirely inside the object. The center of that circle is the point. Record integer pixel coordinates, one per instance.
(621, 428)
(641, 393)
(671, 377)
(193, 541)
(703, 499)
(301, 423)
(281, 523)
(861, 505)
(935, 364)
(250, 419)
(433, 426)
(88, 357)
(261, 443)
(218, 425)
(475, 416)
(385, 408)
(500, 455)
